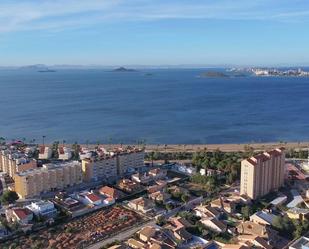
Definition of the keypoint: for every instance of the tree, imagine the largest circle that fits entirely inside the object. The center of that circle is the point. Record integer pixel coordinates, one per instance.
(8, 197)
(185, 198)
(246, 212)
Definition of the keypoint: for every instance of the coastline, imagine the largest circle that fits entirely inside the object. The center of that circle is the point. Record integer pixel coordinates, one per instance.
(211, 147)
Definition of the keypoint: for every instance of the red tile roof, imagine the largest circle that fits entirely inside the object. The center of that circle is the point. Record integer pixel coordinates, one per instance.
(93, 197)
(22, 213)
(111, 192)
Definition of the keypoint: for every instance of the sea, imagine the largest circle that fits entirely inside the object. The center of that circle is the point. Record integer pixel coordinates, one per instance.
(155, 106)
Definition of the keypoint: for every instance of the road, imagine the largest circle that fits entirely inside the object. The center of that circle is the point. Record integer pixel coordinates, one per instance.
(122, 236)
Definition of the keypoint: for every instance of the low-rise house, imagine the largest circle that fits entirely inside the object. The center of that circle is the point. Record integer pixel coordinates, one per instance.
(206, 212)
(301, 243)
(279, 200)
(147, 233)
(224, 204)
(182, 234)
(128, 185)
(44, 209)
(89, 198)
(19, 215)
(160, 185)
(109, 201)
(64, 153)
(261, 243)
(251, 228)
(178, 190)
(110, 192)
(141, 204)
(298, 213)
(263, 218)
(160, 196)
(141, 178)
(179, 222)
(45, 152)
(157, 173)
(214, 225)
(136, 244)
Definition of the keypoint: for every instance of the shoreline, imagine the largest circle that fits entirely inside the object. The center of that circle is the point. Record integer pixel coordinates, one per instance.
(172, 148)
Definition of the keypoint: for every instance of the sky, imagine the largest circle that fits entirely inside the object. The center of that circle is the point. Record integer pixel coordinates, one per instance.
(154, 32)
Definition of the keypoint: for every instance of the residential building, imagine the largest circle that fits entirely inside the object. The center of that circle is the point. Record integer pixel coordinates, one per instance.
(99, 168)
(147, 233)
(214, 224)
(136, 244)
(262, 218)
(128, 185)
(129, 159)
(157, 173)
(141, 204)
(33, 182)
(224, 204)
(64, 153)
(182, 235)
(262, 174)
(45, 152)
(301, 243)
(13, 161)
(110, 192)
(141, 178)
(44, 209)
(89, 198)
(298, 213)
(160, 196)
(19, 215)
(206, 212)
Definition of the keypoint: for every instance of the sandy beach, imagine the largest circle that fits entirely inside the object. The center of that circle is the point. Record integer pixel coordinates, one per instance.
(212, 147)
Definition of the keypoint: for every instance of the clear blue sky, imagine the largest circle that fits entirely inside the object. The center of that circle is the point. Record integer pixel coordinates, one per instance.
(154, 32)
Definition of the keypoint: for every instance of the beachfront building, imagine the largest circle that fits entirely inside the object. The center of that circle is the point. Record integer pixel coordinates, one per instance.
(129, 159)
(100, 168)
(64, 153)
(45, 152)
(262, 174)
(50, 177)
(110, 165)
(14, 161)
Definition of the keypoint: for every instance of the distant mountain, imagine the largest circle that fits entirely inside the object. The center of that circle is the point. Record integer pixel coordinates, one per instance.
(34, 67)
(123, 69)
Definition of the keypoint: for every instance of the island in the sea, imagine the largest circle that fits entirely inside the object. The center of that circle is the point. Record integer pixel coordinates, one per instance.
(46, 70)
(123, 69)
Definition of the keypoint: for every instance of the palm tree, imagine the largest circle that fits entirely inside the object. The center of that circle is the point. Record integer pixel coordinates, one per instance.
(43, 138)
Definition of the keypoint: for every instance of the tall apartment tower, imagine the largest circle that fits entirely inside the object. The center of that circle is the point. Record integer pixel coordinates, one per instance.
(262, 174)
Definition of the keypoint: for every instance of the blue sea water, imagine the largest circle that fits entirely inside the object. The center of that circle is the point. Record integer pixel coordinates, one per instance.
(168, 106)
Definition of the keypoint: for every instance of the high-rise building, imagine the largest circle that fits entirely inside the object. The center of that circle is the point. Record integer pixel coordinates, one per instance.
(14, 161)
(262, 174)
(110, 165)
(50, 177)
(102, 168)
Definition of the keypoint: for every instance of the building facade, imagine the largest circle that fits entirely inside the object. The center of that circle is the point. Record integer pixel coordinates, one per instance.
(262, 174)
(104, 168)
(50, 177)
(113, 164)
(12, 162)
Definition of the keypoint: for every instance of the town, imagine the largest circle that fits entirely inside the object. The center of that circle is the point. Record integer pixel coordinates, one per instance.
(106, 196)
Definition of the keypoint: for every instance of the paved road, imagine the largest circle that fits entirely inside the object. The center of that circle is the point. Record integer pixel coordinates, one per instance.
(122, 236)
